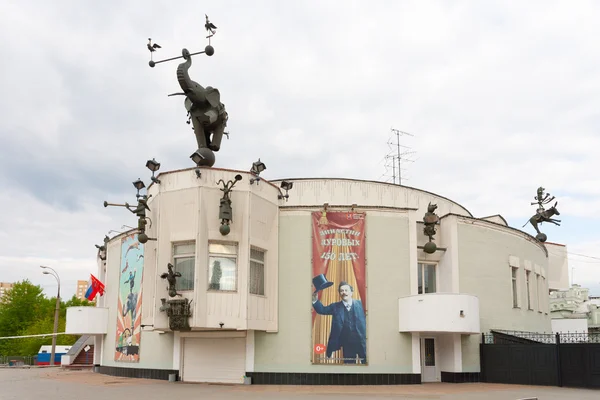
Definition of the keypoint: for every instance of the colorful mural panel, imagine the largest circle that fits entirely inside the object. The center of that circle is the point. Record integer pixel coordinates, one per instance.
(129, 307)
(339, 326)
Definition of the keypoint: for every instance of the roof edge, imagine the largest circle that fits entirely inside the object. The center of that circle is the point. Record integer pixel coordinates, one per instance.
(525, 235)
(496, 215)
(378, 182)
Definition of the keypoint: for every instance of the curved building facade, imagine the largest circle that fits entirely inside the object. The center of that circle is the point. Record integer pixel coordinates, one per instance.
(330, 285)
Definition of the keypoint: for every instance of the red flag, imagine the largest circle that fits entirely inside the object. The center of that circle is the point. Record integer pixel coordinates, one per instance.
(95, 287)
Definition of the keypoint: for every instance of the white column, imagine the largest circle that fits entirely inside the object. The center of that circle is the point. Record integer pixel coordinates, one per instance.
(249, 351)
(102, 344)
(413, 252)
(416, 353)
(457, 352)
(177, 339)
(97, 350)
(453, 245)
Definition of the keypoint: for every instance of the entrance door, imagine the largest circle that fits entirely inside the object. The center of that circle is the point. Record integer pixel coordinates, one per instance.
(429, 371)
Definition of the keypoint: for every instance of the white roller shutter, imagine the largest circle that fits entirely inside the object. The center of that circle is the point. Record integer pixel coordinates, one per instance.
(214, 360)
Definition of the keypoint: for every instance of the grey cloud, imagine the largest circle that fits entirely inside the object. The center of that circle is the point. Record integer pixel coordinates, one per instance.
(501, 97)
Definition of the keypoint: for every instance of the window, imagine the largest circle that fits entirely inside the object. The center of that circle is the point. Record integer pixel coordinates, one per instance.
(527, 276)
(426, 273)
(514, 288)
(257, 272)
(184, 262)
(222, 267)
(539, 291)
(544, 287)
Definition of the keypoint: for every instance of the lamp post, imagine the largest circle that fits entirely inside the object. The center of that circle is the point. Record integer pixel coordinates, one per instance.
(56, 311)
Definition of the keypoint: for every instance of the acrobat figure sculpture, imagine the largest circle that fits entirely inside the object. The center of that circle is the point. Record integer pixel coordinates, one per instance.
(178, 310)
(225, 210)
(171, 277)
(430, 219)
(543, 215)
(140, 212)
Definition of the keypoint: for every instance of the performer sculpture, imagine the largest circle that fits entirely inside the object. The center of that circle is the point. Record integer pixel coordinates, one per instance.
(430, 219)
(178, 310)
(543, 215)
(140, 212)
(225, 210)
(206, 113)
(171, 277)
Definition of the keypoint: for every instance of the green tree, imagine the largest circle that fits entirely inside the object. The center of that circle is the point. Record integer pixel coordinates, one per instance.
(23, 304)
(24, 310)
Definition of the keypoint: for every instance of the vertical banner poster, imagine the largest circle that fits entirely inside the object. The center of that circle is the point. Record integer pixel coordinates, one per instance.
(339, 300)
(129, 307)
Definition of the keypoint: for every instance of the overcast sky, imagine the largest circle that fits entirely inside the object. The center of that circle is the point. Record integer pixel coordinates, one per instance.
(500, 97)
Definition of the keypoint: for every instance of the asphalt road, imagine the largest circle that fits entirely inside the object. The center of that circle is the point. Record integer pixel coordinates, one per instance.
(55, 383)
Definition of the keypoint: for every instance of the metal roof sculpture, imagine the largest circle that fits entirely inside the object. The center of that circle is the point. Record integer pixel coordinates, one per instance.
(430, 219)
(543, 215)
(205, 110)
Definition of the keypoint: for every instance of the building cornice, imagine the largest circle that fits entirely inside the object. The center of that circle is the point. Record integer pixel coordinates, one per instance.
(502, 228)
(345, 207)
(376, 182)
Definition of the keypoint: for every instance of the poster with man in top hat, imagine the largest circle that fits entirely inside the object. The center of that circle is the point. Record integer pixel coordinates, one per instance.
(339, 328)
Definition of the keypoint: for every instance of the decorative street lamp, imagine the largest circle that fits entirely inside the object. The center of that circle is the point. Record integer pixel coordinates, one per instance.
(257, 168)
(139, 185)
(56, 311)
(153, 166)
(287, 186)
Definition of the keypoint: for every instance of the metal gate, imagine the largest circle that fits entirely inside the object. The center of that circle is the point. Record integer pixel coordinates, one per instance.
(526, 358)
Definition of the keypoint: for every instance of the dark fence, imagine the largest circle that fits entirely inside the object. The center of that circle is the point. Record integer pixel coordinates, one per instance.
(526, 358)
(17, 361)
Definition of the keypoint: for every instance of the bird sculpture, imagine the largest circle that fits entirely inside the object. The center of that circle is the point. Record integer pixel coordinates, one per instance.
(210, 27)
(152, 47)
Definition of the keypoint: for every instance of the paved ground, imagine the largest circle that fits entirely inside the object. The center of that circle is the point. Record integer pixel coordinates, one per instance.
(55, 383)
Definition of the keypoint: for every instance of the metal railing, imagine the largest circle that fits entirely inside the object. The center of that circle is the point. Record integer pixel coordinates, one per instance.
(521, 337)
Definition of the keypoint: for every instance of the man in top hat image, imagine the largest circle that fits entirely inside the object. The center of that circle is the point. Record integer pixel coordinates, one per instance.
(348, 323)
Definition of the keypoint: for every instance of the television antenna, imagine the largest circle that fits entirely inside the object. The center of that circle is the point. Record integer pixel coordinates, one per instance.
(398, 154)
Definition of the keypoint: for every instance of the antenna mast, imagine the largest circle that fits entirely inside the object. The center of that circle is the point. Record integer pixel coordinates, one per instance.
(400, 154)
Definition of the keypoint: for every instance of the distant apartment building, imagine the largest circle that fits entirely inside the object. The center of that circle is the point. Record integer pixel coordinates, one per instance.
(5, 287)
(81, 289)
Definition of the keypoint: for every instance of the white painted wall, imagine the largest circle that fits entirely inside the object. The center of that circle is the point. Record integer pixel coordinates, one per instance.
(185, 208)
(558, 266)
(315, 192)
(155, 349)
(485, 254)
(565, 325)
(86, 320)
(449, 352)
(474, 263)
(439, 312)
(388, 277)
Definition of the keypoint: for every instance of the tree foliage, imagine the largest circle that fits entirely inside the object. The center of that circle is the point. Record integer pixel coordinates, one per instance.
(25, 310)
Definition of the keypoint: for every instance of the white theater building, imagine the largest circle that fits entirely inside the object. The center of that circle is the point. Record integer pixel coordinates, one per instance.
(424, 312)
